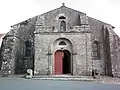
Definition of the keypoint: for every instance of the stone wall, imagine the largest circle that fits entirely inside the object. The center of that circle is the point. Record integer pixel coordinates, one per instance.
(43, 30)
(25, 33)
(81, 50)
(115, 52)
(97, 35)
(13, 48)
(98, 29)
(8, 54)
(1, 39)
(72, 18)
(78, 32)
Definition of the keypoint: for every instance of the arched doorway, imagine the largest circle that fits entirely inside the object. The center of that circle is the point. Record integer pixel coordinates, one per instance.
(62, 62)
(66, 62)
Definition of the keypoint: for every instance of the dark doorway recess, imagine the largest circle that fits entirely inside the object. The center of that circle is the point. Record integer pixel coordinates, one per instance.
(66, 62)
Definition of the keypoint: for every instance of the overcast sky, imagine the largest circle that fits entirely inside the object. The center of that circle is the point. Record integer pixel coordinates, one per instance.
(15, 11)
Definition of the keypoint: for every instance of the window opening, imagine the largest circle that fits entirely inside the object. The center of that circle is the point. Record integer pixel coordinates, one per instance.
(28, 48)
(62, 43)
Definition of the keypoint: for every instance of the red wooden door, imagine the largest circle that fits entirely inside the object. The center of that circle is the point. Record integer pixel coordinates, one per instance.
(58, 62)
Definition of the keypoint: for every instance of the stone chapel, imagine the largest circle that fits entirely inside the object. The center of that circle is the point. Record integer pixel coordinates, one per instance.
(61, 41)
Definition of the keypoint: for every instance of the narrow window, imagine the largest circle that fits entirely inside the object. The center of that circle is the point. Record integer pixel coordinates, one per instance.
(62, 23)
(28, 48)
(62, 43)
(96, 49)
(63, 26)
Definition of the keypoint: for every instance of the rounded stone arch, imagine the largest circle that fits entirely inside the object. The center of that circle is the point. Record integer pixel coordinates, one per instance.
(64, 47)
(67, 44)
(62, 17)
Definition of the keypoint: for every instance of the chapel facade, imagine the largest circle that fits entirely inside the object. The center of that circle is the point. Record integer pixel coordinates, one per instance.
(61, 41)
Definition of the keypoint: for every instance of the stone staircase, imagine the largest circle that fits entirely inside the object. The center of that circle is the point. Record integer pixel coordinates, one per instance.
(65, 77)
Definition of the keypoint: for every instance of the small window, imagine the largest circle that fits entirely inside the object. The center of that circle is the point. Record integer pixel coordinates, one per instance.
(28, 48)
(62, 17)
(63, 26)
(62, 43)
(96, 49)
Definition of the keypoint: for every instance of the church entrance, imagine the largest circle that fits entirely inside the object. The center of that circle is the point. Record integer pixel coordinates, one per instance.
(62, 62)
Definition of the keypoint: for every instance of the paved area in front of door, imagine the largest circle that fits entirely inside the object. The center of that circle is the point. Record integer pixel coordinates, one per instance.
(28, 84)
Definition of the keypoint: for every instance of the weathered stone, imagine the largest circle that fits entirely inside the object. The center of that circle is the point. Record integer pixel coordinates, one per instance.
(45, 32)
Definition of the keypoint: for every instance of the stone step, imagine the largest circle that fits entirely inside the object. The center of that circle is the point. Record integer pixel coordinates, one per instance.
(74, 79)
(61, 76)
(65, 77)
